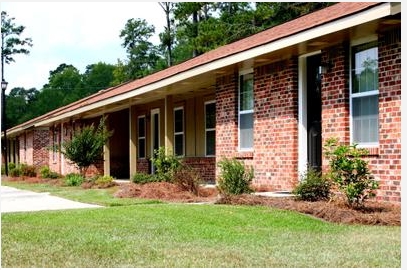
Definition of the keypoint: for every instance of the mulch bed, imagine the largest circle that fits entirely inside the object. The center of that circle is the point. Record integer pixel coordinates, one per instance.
(335, 210)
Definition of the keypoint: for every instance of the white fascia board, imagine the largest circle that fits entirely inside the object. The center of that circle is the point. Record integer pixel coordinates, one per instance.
(371, 14)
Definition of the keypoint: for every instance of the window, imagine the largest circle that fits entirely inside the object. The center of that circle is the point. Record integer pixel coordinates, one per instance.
(246, 103)
(364, 94)
(179, 131)
(210, 128)
(141, 127)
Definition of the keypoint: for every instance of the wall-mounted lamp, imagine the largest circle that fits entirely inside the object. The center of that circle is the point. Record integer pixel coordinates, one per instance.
(325, 67)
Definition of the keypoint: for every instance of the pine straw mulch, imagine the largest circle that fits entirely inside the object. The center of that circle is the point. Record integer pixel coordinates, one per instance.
(336, 210)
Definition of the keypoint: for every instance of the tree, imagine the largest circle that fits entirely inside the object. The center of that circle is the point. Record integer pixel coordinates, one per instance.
(11, 43)
(86, 146)
(142, 54)
(19, 103)
(96, 77)
(167, 38)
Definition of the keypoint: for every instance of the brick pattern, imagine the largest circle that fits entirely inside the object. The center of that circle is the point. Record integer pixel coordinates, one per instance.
(143, 165)
(335, 95)
(204, 166)
(275, 125)
(40, 147)
(387, 165)
(226, 116)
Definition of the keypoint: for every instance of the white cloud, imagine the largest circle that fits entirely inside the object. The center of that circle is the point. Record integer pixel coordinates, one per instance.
(77, 33)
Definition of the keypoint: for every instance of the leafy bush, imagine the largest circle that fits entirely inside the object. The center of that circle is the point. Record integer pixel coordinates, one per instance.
(15, 172)
(11, 165)
(142, 178)
(234, 178)
(104, 181)
(86, 147)
(350, 172)
(313, 186)
(165, 164)
(74, 179)
(28, 170)
(45, 172)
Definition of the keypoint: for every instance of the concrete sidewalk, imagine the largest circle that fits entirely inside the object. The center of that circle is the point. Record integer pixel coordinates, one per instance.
(16, 200)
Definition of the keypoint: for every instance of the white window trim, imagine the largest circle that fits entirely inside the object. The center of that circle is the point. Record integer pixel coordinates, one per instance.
(141, 137)
(355, 43)
(242, 73)
(209, 129)
(181, 108)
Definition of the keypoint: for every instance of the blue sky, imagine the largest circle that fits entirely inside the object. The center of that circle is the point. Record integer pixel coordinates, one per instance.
(77, 33)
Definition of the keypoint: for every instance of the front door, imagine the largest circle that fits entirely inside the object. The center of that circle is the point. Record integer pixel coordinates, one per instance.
(155, 134)
(314, 138)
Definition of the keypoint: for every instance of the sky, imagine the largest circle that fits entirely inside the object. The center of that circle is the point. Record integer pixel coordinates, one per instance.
(76, 33)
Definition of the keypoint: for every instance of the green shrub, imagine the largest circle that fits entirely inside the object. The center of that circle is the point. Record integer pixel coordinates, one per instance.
(313, 186)
(11, 165)
(142, 178)
(45, 172)
(350, 172)
(104, 181)
(74, 179)
(234, 178)
(15, 172)
(28, 170)
(165, 164)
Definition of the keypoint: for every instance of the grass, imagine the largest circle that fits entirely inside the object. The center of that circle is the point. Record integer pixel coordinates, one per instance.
(184, 235)
(95, 196)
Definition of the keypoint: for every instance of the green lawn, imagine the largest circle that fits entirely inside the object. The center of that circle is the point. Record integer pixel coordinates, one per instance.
(185, 235)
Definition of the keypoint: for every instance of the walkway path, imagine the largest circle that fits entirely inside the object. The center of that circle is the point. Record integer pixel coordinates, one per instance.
(16, 200)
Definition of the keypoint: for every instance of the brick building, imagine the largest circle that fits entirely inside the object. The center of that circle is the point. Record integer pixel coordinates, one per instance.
(270, 100)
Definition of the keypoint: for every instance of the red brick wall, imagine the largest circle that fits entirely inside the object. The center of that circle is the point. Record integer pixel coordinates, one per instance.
(40, 147)
(387, 164)
(275, 125)
(204, 166)
(142, 166)
(384, 161)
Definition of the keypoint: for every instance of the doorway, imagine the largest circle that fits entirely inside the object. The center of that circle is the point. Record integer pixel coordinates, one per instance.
(314, 110)
(155, 134)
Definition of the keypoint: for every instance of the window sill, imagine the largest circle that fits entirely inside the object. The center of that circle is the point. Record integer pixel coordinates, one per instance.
(245, 155)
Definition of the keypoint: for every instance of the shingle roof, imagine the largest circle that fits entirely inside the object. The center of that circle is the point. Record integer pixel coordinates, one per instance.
(298, 25)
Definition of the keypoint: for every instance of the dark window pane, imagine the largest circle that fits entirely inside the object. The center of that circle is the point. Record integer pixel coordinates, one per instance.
(365, 119)
(179, 121)
(210, 117)
(210, 143)
(246, 130)
(141, 127)
(179, 145)
(142, 148)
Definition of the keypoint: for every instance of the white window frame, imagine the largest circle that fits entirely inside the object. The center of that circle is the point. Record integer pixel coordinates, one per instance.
(180, 108)
(356, 43)
(209, 129)
(242, 73)
(141, 137)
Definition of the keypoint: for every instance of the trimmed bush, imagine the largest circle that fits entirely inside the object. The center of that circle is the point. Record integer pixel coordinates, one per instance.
(104, 181)
(15, 172)
(234, 178)
(165, 164)
(74, 179)
(350, 172)
(142, 178)
(188, 179)
(45, 172)
(28, 170)
(313, 186)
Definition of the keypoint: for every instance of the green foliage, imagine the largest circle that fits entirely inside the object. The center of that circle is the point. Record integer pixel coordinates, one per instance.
(234, 178)
(142, 178)
(313, 186)
(15, 172)
(86, 147)
(104, 181)
(28, 170)
(165, 164)
(74, 179)
(350, 172)
(45, 172)
(11, 165)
